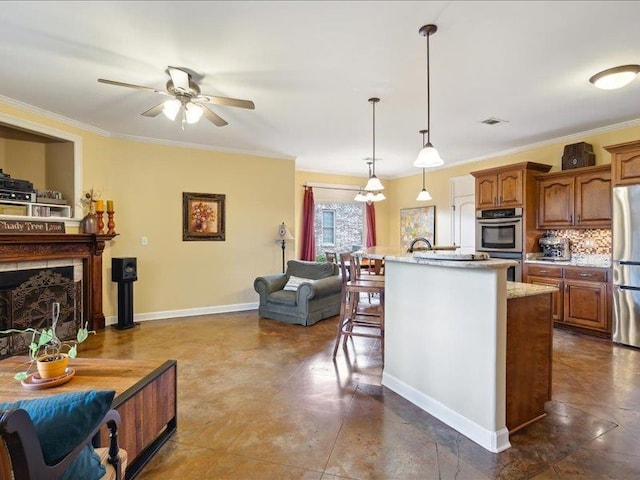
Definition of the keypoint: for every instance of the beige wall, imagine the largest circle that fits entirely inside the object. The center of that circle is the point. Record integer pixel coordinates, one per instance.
(403, 191)
(146, 182)
(25, 161)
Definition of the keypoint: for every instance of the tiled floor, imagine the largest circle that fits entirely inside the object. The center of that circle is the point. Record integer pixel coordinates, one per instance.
(258, 399)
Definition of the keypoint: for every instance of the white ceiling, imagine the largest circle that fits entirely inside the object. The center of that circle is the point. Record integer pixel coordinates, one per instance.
(310, 68)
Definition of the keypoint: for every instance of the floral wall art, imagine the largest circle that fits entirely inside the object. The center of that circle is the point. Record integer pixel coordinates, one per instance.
(203, 216)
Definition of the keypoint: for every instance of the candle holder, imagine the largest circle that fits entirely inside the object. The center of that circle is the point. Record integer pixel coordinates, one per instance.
(111, 225)
(99, 214)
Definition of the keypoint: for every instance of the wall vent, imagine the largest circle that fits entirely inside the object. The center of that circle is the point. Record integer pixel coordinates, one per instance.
(492, 121)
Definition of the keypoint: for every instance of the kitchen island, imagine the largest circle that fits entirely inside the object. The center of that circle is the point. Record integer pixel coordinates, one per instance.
(456, 349)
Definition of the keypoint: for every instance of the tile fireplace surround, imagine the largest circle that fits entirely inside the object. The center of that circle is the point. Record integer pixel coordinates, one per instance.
(83, 251)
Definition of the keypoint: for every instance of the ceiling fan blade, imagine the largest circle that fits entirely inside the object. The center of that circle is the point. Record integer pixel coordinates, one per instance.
(129, 85)
(213, 117)
(230, 102)
(154, 111)
(180, 79)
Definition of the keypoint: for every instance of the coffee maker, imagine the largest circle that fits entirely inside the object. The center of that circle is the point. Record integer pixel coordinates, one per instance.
(554, 248)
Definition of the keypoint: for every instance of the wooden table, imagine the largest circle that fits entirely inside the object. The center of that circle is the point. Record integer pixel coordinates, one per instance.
(145, 399)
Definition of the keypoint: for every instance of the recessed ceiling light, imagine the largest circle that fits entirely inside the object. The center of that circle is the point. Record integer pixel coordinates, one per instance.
(616, 77)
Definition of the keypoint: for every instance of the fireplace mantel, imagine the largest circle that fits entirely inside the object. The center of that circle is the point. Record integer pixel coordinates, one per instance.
(16, 247)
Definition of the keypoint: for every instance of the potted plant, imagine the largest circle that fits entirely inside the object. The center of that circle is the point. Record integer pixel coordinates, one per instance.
(49, 353)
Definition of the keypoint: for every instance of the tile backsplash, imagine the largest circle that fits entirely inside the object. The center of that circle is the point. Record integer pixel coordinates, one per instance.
(595, 241)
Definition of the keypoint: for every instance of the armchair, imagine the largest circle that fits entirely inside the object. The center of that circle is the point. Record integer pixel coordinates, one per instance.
(313, 300)
(52, 438)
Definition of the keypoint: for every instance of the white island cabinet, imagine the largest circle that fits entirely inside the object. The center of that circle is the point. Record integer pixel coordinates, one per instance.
(445, 342)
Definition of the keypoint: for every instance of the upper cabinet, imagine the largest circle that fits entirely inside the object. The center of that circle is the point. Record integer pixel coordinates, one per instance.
(505, 187)
(578, 198)
(625, 163)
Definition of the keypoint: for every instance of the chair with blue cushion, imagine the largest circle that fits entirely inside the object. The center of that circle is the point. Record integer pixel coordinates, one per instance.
(52, 438)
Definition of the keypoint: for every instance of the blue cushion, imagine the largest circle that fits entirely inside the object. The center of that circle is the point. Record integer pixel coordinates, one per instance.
(62, 422)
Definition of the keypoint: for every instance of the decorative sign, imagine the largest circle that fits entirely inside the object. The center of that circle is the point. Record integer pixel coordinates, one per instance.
(30, 226)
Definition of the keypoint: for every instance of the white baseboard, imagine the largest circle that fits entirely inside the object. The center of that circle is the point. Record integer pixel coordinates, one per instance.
(494, 441)
(189, 312)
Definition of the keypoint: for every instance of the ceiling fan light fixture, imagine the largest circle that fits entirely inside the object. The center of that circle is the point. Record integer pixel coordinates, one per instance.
(616, 77)
(171, 108)
(193, 113)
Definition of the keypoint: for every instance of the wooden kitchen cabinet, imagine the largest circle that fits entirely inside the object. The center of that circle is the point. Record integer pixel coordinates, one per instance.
(625, 163)
(549, 275)
(578, 198)
(584, 298)
(505, 187)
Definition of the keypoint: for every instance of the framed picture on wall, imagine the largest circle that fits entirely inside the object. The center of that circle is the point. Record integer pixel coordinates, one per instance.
(417, 222)
(203, 216)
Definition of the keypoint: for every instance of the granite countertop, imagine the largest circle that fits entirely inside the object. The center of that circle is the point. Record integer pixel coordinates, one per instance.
(518, 290)
(491, 263)
(577, 260)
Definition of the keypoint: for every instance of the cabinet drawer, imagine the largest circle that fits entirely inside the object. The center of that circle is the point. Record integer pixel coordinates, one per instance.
(544, 271)
(586, 274)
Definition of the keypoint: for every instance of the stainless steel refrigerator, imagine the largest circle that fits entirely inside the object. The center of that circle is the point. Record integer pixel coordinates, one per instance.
(626, 265)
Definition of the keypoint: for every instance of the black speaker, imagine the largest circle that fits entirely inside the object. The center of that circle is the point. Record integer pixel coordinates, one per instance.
(124, 269)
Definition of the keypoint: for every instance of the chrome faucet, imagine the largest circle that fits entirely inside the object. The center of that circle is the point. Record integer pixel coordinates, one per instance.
(420, 239)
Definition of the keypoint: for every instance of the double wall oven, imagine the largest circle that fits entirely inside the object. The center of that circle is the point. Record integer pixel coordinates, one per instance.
(499, 233)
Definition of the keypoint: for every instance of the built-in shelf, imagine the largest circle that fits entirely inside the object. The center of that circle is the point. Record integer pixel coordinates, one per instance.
(34, 210)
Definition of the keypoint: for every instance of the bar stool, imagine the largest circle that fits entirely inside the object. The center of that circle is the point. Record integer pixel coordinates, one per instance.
(358, 319)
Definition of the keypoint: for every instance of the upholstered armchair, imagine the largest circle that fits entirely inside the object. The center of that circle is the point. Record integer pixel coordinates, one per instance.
(306, 293)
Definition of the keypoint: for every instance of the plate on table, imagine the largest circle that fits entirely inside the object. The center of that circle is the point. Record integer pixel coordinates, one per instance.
(35, 382)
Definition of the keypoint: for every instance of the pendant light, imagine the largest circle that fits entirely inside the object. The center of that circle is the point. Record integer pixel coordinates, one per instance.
(365, 196)
(423, 196)
(428, 156)
(373, 184)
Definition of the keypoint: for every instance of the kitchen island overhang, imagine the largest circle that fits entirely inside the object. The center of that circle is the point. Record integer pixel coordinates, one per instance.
(445, 342)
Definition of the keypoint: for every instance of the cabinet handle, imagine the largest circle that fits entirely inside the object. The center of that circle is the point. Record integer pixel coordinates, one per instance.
(586, 275)
(566, 288)
(543, 271)
(500, 199)
(570, 218)
(578, 218)
(495, 200)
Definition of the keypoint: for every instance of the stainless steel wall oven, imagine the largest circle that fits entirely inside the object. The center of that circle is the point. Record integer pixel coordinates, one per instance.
(499, 230)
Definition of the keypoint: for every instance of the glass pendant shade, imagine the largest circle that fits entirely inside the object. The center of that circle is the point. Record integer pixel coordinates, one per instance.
(360, 197)
(428, 157)
(377, 196)
(373, 184)
(193, 113)
(616, 77)
(171, 108)
(424, 196)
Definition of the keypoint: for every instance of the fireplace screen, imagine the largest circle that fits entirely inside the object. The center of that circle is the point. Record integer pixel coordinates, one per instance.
(26, 299)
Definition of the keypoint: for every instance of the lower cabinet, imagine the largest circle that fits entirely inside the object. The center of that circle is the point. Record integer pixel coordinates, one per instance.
(583, 301)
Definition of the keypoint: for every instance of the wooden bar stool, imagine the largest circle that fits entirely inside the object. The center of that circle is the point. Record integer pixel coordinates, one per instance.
(357, 318)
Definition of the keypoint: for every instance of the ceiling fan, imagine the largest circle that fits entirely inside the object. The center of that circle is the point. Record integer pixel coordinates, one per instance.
(186, 98)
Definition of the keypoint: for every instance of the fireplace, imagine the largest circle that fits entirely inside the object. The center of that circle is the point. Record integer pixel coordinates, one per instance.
(26, 299)
(85, 250)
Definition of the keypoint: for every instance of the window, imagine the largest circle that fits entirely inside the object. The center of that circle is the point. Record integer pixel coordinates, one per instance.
(339, 227)
(328, 227)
